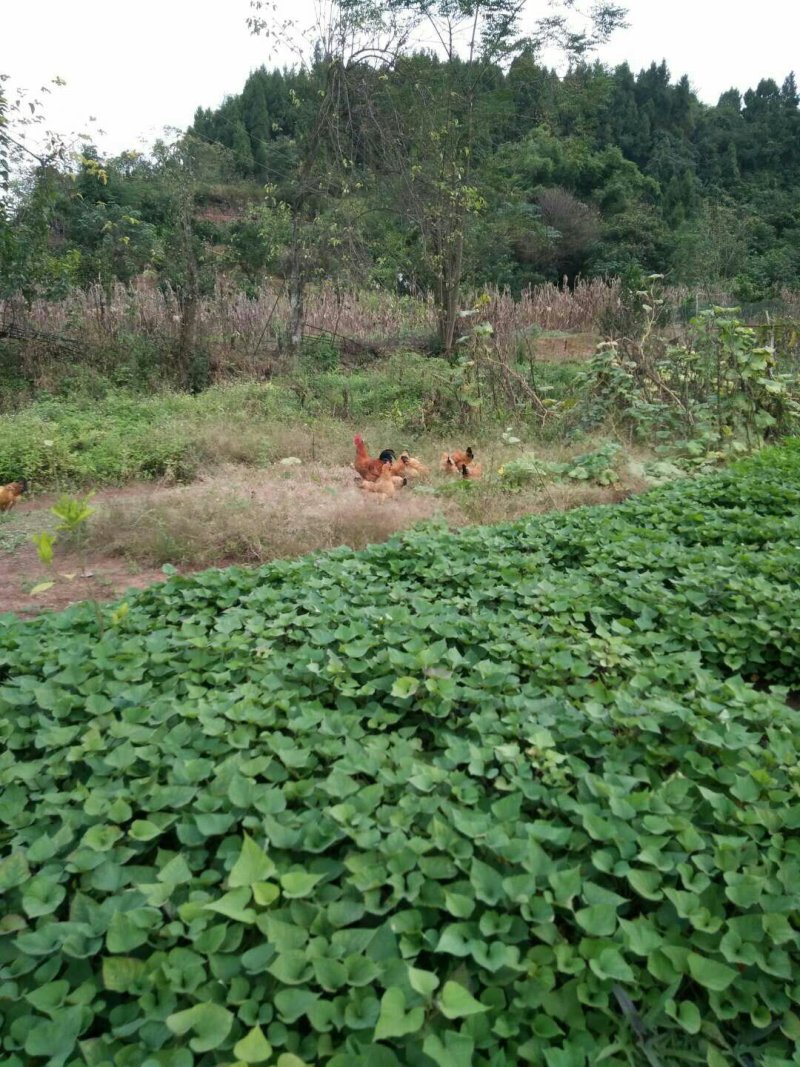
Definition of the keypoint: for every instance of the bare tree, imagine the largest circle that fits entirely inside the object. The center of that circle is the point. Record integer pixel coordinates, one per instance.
(346, 40)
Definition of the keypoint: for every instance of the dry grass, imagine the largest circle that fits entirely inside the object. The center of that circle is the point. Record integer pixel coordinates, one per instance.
(225, 442)
(241, 517)
(241, 331)
(237, 515)
(488, 503)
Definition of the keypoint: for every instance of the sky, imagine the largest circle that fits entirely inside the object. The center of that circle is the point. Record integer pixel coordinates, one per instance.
(153, 63)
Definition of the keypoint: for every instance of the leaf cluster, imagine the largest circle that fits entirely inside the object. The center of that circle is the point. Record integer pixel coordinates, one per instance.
(527, 794)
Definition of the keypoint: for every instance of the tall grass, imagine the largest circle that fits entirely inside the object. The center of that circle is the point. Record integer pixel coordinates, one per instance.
(241, 334)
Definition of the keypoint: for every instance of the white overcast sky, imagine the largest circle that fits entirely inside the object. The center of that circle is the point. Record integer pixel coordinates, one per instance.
(137, 68)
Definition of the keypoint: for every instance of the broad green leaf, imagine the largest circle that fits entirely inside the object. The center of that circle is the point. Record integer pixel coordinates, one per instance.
(210, 1023)
(687, 1014)
(566, 884)
(710, 973)
(265, 893)
(331, 974)
(124, 933)
(296, 884)
(41, 896)
(496, 955)
(609, 963)
(14, 871)
(102, 838)
(175, 872)
(47, 998)
(234, 905)
(646, 883)
(456, 1002)
(291, 968)
(360, 970)
(144, 830)
(394, 1020)
(120, 973)
(405, 687)
(599, 919)
(640, 936)
(422, 982)
(253, 865)
(56, 1038)
(569, 1056)
(449, 1049)
(292, 1003)
(487, 882)
(253, 1047)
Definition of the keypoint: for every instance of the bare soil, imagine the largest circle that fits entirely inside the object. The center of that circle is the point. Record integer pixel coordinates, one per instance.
(569, 348)
(21, 570)
(234, 515)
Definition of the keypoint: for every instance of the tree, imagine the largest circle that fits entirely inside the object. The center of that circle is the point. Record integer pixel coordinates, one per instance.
(435, 169)
(29, 181)
(349, 40)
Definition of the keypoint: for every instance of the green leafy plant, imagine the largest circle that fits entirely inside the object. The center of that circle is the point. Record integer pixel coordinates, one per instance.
(597, 467)
(529, 469)
(722, 385)
(73, 514)
(525, 794)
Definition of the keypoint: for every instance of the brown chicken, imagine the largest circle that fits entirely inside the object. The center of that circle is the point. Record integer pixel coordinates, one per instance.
(385, 485)
(471, 470)
(408, 465)
(452, 462)
(10, 494)
(367, 466)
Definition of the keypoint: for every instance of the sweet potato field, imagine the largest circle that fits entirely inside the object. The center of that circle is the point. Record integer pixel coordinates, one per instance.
(525, 794)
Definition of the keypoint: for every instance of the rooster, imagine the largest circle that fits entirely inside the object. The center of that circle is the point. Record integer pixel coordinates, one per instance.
(369, 468)
(10, 494)
(453, 462)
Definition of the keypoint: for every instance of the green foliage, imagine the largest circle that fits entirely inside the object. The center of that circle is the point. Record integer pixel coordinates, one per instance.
(598, 467)
(414, 392)
(724, 385)
(117, 437)
(506, 797)
(45, 544)
(72, 514)
(108, 437)
(490, 170)
(320, 353)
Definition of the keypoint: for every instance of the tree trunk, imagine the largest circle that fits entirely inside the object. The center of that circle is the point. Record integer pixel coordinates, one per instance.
(449, 288)
(187, 334)
(296, 287)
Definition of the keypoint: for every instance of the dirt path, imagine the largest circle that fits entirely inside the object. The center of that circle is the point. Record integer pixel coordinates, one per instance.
(21, 570)
(232, 515)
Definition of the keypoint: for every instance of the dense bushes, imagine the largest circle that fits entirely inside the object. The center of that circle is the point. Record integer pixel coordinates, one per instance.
(516, 795)
(119, 436)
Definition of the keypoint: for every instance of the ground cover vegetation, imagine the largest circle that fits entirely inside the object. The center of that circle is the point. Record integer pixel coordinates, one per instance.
(488, 795)
(525, 794)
